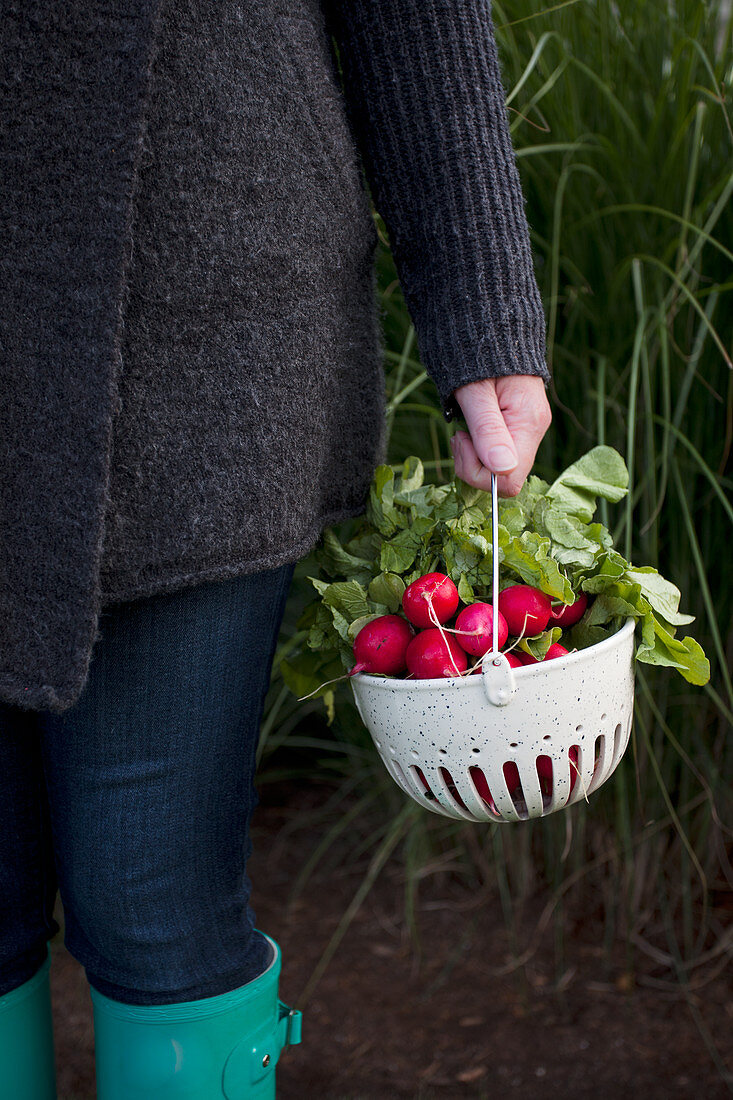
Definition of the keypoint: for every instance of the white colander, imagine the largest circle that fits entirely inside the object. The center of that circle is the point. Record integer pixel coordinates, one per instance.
(451, 743)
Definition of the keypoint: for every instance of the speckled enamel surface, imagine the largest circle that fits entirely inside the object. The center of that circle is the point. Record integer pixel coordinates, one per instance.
(450, 726)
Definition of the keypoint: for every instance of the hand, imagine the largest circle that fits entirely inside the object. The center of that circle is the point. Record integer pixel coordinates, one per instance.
(506, 418)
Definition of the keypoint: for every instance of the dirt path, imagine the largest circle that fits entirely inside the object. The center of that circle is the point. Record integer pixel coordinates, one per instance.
(379, 1027)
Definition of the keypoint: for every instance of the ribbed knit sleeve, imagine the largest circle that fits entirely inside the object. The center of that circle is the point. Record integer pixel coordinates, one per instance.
(426, 104)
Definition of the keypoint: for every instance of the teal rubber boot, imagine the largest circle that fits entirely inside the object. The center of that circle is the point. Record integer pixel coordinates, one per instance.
(226, 1046)
(27, 1070)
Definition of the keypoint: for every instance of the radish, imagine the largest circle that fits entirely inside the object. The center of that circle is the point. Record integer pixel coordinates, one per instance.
(433, 589)
(555, 650)
(569, 614)
(474, 629)
(526, 609)
(433, 654)
(381, 645)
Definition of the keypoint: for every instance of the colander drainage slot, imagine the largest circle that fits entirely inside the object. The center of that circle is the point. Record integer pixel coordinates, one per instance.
(514, 787)
(398, 774)
(599, 751)
(422, 782)
(575, 758)
(543, 765)
(452, 790)
(481, 787)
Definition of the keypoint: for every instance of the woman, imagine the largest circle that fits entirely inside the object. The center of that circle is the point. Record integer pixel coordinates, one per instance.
(191, 390)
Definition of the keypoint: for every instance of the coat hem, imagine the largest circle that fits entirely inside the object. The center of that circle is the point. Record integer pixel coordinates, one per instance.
(163, 580)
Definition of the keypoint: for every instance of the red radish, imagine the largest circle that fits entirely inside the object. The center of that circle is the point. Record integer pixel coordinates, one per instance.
(569, 614)
(526, 609)
(428, 656)
(526, 658)
(381, 645)
(476, 623)
(433, 588)
(555, 650)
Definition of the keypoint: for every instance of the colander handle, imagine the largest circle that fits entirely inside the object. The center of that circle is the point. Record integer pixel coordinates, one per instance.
(495, 564)
(497, 674)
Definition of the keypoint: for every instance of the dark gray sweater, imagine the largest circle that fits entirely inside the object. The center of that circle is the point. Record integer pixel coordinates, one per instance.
(190, 359)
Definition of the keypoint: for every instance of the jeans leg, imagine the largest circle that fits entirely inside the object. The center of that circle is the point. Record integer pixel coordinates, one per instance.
(27, 875)
(150, 779)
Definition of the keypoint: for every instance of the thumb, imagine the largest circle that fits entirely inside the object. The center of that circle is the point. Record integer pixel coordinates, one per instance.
(490, 436)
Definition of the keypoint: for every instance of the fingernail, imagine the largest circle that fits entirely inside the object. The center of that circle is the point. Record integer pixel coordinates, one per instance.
(501, 459)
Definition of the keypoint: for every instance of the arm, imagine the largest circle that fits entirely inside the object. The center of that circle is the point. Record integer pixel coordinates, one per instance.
(425, 100)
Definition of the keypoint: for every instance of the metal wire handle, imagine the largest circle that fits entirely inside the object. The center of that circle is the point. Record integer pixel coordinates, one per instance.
(495, 565)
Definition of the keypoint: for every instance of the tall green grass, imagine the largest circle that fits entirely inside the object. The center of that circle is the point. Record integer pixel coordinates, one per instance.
(624, 140)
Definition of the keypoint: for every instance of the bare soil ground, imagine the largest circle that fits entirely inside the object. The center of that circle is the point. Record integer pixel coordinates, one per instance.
(388, 1022)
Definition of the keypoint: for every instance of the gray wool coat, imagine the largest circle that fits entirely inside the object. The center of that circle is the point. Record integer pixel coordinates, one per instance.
(190, 354)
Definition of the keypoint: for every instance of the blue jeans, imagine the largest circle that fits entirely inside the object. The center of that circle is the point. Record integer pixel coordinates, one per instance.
(136, 802)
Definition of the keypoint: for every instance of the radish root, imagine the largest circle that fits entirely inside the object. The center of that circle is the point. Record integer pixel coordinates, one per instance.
(436, 622)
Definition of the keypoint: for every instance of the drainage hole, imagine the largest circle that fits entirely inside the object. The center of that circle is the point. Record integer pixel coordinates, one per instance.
(598, 751)
(452, 787)
(543, 766)
(513, 783)
(419, 773)
(482, 788)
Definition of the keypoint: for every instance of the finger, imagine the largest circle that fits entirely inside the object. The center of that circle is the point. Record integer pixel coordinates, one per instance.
(527, 415)
(492, 441)
(470, 469)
